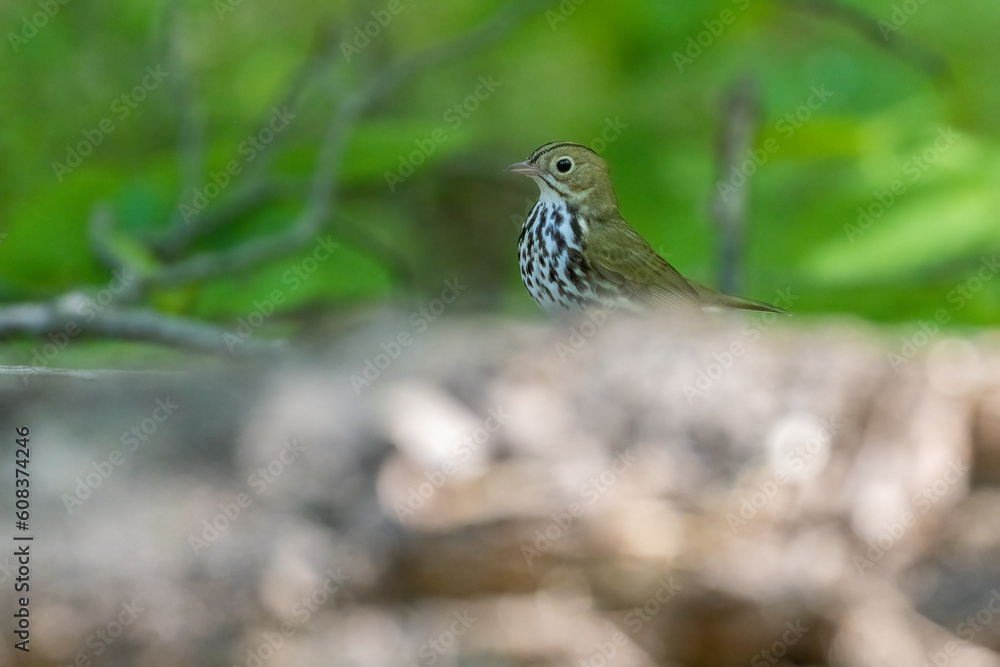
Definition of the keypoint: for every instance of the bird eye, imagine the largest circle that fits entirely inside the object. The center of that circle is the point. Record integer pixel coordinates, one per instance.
(564, 165)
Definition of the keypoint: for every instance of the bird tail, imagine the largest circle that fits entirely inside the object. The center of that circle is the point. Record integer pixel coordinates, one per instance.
(712, 299)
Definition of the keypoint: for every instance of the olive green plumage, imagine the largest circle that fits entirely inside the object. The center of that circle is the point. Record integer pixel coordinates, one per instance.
(576, 250)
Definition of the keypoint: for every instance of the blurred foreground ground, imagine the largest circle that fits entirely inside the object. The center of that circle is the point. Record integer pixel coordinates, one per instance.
(755, 493)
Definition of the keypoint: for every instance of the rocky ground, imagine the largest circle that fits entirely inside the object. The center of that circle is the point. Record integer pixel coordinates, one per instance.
(759, 491)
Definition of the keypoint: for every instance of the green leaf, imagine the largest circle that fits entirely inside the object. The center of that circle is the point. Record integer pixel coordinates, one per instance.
(918, 232)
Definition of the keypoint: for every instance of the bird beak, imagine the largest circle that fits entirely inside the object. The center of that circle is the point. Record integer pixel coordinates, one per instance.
(523, 168)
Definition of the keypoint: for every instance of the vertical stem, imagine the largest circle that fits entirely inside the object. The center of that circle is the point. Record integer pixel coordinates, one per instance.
(740, 118)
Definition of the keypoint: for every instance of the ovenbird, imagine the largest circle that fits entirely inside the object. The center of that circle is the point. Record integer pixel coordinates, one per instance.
(577, 252)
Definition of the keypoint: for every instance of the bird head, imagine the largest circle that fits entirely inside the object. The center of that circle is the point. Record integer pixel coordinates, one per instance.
(571, 173)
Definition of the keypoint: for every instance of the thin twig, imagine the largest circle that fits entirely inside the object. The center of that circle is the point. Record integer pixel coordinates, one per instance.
(255, 187)
(251, 196)
(326, 175)
(397, 263)
(489, 32)
(99, 231)
(67, 316)
(874, 30)
(191, 126)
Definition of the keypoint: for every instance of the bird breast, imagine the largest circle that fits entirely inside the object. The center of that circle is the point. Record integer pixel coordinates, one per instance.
(551, 257)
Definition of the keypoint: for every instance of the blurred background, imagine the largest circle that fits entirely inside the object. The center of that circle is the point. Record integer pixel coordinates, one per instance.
(420, 194)
(292, 221)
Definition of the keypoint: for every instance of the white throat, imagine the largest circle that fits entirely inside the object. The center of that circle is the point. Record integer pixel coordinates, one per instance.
(547, 195)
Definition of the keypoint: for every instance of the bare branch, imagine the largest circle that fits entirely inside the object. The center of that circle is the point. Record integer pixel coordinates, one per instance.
(250, 196)
(322, 195)
(909, 51)
(70, 316)
(388, 80)
(67, 314)
(27, 372)
(235, 260)
(255, 188)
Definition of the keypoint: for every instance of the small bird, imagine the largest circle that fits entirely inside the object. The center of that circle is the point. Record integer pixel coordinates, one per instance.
(577, 252)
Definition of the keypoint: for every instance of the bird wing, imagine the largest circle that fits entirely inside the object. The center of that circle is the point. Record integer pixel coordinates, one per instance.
(627, 260)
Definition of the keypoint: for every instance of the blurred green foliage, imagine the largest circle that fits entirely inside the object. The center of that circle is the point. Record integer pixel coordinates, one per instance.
(564, 74)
